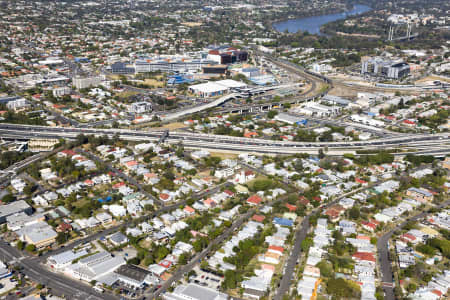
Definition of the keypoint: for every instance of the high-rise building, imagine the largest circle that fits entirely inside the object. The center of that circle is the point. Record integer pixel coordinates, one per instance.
(82, 83)
(378, 66)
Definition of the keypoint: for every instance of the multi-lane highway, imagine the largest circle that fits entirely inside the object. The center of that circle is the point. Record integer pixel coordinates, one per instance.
(208, 141)
(170, 116)
(60, 285)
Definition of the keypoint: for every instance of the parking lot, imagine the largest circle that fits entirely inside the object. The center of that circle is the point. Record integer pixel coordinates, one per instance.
(7, 285)
(206, 278)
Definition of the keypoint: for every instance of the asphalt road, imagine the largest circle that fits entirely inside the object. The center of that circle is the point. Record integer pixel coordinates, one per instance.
(209, 141)
(121, 175)
(383, 254)
(65, 286)
(197, 258)
(289, 270)
(59, 284)
(113, 229)
(300, 235)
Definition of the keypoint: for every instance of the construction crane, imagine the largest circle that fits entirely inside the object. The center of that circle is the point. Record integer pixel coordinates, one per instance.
(316, 287)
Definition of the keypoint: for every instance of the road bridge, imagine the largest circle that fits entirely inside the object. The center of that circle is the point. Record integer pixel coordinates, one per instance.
(235, 95)
(419, 142)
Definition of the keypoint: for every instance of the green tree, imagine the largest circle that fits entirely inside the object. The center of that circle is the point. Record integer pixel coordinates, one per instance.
(326, 269)
(30, 248)
(271, 114)
(306, 244)
(262, 184)
(411, 288)
(341, 289)
(8, 198)
(20, 245)
(183, 259)
(354, 212)
(62, 237)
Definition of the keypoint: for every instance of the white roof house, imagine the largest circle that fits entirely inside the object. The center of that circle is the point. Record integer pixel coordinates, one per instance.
(117, 210)
(104, 217)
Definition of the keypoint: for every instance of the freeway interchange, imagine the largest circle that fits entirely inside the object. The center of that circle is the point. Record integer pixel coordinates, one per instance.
(32, 267)
(417, 142)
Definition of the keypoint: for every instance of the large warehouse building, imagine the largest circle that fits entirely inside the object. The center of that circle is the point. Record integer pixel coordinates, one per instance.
(215, 88)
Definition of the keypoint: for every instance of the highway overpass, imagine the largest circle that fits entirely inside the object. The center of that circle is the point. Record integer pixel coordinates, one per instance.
(419, 142)
(192, 110)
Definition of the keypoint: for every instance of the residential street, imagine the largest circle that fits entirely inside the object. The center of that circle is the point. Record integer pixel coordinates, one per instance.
(383, 254)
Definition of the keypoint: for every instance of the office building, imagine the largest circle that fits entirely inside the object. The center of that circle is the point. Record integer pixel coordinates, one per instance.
(121, 68)
(17, 104)
(227, 55)
(86, 82)
(378, 66)
(145, 65)
(141, 107)
(215, 69)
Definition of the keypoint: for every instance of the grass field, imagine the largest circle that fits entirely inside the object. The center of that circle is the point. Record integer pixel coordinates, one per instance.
(433, 78)
(224, 155)
(154, 82)
(174, 126)
(126, 94)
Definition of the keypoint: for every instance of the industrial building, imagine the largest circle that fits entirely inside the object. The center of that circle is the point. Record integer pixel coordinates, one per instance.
(134, 276)
(39, 234)
(194, 292)
(14, 208)
(366, 120)
(319, 110)
(180, 79)
(335, 100)
(263, 79)
(291, 119)
(95, 267)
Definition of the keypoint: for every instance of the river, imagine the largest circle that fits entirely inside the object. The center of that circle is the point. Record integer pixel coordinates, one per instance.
(313, 24)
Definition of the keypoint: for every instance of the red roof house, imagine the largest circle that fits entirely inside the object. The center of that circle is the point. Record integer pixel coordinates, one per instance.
(254, 200)
(291, 207)
(364, 256)
(258, 218)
